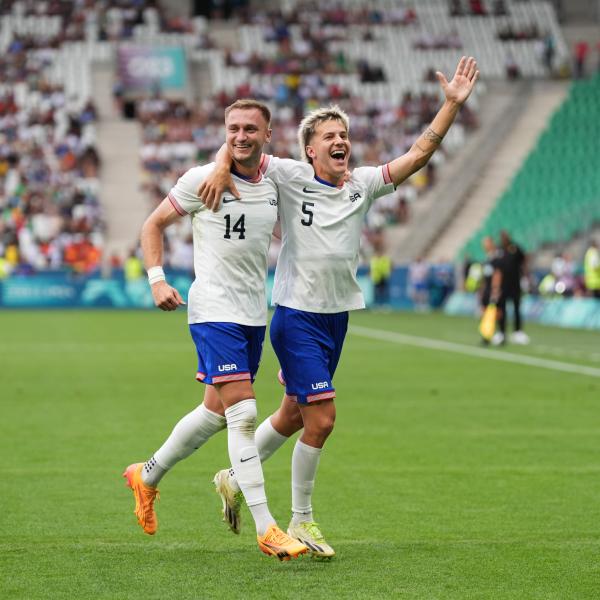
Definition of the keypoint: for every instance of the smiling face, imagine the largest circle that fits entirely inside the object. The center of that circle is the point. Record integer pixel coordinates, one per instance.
(329, 150)
(246, 132)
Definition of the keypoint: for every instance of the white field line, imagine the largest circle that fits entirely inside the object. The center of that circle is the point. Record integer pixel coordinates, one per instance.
(501, 355)
(541, 349)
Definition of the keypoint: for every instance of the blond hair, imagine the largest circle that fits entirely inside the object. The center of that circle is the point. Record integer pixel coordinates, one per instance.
(248, 103)
(313, 119)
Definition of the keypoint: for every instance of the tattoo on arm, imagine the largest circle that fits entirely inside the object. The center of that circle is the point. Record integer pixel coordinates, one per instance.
(431, 136)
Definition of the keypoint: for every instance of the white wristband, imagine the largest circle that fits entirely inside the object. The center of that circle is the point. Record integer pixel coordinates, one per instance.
(156, 274)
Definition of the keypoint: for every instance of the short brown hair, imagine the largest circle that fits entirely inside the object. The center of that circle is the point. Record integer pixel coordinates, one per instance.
(248, 103)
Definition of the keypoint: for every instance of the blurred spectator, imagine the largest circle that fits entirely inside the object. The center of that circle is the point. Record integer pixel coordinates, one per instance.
(525, 33)
(549, 50)
(5, 268)
(591, 269)
(441, 283)
(582, 50)
(499, 8)
(133, 267)
(369, 74)
(512, 68)
(456, 8)
(477, 8)
(81, 255)
(418, 283)
(380, 270)
(464, 271)
(446, 41)
(563, 270)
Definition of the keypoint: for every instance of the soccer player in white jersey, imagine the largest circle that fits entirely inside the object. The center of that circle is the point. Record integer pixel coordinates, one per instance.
(227, 315)
(315, 280)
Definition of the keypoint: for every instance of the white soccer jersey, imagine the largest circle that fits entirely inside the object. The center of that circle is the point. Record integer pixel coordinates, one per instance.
(230, 248)
(321, 227)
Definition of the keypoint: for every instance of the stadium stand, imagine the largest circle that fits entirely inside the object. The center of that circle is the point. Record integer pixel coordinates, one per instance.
(49, 165)
(274, 58)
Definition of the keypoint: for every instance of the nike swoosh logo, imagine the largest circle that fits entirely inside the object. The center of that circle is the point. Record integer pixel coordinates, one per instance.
(247, 459)
(227, 200)
(307, 191)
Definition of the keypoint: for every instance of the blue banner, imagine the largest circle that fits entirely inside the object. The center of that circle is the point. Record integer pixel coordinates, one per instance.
(54, 291)
(63, 289)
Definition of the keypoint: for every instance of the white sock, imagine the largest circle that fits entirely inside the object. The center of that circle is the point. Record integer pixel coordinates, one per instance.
(187, 436)
(268, 440)
(305, 461)
(243, 454)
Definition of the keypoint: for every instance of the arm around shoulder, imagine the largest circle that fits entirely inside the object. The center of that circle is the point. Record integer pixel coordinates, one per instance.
(217, 182)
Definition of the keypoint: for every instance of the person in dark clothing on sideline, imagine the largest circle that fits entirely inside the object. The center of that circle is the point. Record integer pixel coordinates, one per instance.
(512, 265)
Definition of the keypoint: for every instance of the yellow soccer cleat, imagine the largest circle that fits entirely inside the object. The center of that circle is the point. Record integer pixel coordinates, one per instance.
(277, 543)
(144, 498)
(310, 535)
(232, 500)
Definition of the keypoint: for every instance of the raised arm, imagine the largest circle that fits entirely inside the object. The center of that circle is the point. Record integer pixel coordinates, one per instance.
(456, 93)
(218, 181)
(165, 296)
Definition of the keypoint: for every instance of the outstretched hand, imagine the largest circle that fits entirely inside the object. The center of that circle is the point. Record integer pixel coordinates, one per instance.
(459, 89)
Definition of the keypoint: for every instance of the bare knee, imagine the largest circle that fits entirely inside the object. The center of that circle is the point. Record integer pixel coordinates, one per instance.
(287, 420)
(324, 425)
(318, 428)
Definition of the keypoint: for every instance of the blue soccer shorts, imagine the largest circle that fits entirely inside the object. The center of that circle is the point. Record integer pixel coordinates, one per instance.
(308, 346)
(227, 351)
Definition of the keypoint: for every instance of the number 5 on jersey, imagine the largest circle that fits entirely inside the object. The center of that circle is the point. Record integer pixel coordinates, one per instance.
(239, 227)
(306, 206)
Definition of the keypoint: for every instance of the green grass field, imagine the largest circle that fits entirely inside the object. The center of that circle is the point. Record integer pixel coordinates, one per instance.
(447, 475)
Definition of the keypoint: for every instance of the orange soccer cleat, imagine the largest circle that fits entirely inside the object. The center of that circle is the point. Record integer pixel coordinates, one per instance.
(277, 543)
(144, 498)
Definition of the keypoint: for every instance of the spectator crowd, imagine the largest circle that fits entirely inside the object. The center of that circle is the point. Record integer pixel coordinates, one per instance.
(49, 165)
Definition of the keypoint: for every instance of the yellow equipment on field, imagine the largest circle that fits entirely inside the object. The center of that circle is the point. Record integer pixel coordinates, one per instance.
(487, 325)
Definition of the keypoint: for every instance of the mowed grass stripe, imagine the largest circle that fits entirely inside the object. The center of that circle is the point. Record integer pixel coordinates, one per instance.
(499, 355)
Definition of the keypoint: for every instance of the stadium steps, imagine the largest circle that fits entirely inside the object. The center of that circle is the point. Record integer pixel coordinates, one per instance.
(496, 176)
(119, 143)
(432, 212)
